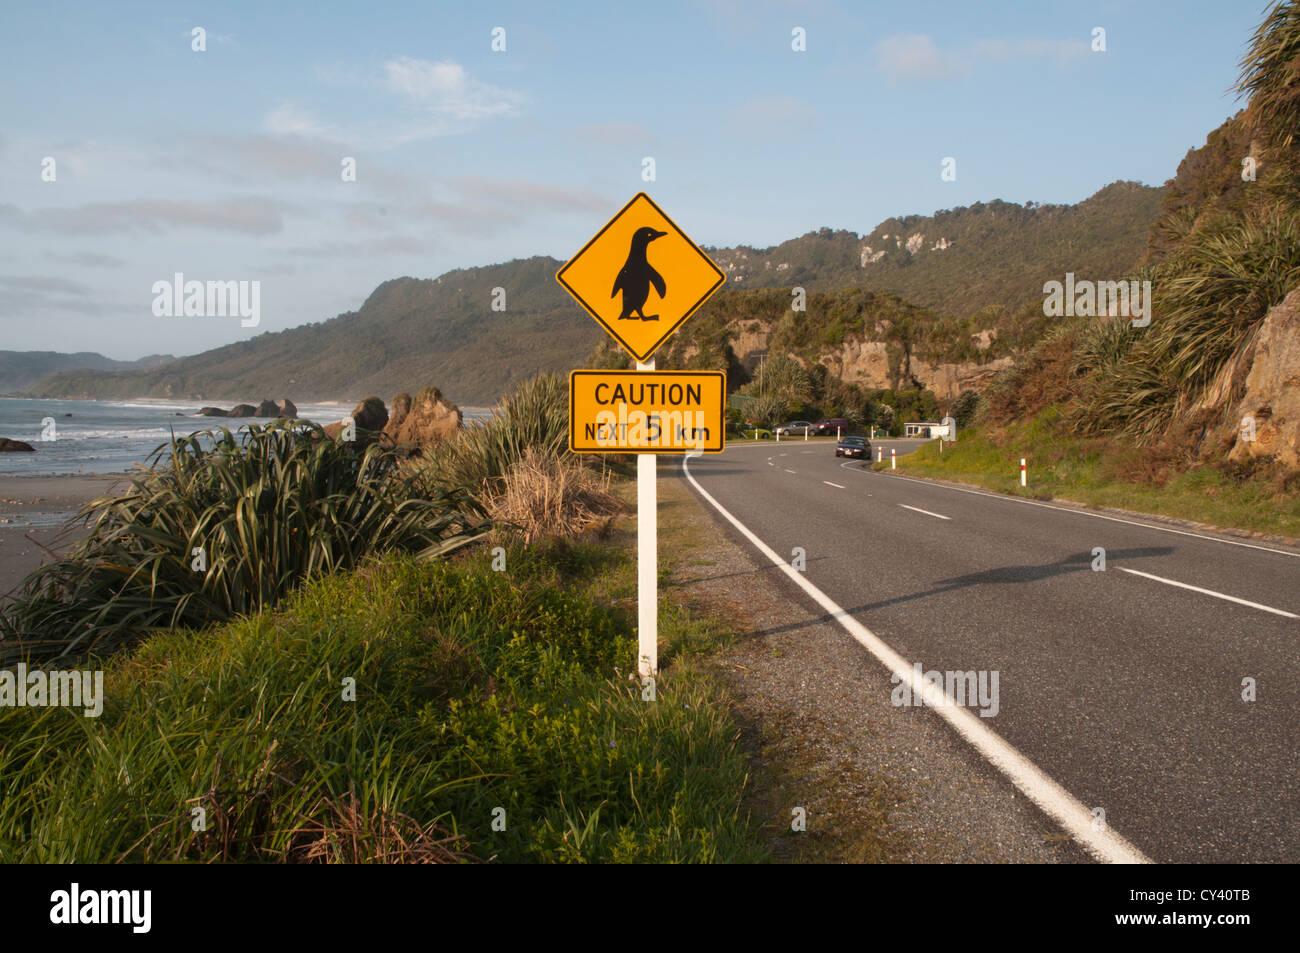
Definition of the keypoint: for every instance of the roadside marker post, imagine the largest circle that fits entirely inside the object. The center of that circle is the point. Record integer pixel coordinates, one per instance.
(893, 461)
(659, 279)
(1023, 477)
(879, 453)
(647, 556)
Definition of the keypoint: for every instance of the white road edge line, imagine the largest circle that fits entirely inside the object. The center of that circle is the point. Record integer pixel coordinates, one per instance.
(1100, 516)
(1105, 845)
(789, 471)
(836, 485)
(1210, 592)
(917, 509)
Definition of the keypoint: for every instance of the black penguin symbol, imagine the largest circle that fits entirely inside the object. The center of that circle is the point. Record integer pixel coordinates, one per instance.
(638, 275)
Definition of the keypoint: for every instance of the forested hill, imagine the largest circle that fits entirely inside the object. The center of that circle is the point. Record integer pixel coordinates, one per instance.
(961, 260)
(443, 332)
(19, 370)
(408, 334)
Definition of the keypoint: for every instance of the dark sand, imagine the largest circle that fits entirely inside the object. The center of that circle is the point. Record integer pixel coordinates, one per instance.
(44, 501)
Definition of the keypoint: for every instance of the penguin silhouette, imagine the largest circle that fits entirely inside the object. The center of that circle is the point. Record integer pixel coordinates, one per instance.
(637, 275)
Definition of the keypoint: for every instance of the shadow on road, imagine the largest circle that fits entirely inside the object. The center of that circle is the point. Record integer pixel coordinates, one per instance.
(1003, 575)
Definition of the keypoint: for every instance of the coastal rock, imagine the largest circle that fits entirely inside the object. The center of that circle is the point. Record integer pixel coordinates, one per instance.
(370, 415)
(11, 446)
(428, 418)
(267, 408)
(1268, 418)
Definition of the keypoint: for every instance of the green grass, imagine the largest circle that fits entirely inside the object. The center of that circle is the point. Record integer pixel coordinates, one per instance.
(263, 509)
(1105, 472)
(475, 690)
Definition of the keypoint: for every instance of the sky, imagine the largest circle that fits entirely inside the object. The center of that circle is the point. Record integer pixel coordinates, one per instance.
(229, 163)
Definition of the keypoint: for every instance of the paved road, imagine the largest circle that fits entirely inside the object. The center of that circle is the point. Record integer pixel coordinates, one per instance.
(1123, 686)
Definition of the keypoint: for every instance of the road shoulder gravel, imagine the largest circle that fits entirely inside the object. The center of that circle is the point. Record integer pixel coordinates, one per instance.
(875, 783)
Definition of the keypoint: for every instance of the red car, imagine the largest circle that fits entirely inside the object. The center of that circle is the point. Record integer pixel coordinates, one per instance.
(830, 426)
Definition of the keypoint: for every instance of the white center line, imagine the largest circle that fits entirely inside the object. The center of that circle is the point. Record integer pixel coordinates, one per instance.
(836, 485)
(1077, 819)
(917, 509)
(1077, 512)
(1210, 592)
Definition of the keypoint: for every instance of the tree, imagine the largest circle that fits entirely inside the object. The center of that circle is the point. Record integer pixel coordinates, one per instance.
(884, 417)
(768, 410)
(1270, 74)
(964, 408)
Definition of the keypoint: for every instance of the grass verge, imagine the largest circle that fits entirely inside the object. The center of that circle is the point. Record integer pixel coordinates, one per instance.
(493, 719)
(1108, 472)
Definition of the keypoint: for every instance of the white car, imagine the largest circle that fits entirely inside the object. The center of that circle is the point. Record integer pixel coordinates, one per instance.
(799, 427)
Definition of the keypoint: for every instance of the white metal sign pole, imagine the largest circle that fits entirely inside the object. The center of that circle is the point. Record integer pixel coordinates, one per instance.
(647, 556)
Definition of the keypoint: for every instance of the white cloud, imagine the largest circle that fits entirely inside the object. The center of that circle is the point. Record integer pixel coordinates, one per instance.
(287, 120)
(758, 117)
(86, 259)
(44, 283)
(615, 133)
(533, 196)
(421, 79)
(444, 89)
(914, 57)
(251, 215)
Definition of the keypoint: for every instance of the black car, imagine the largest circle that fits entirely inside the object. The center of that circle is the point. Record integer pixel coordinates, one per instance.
(858, 447)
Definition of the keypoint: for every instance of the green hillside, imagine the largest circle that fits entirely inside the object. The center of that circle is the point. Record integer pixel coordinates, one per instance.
(21, 369)
(443, 332)
(409, 333)
(965, 259)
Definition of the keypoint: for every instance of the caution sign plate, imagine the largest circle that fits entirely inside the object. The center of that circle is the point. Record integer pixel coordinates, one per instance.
(647, 411)
(641, 277)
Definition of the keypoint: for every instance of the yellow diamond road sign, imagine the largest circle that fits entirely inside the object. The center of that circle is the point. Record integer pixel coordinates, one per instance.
(641, 277)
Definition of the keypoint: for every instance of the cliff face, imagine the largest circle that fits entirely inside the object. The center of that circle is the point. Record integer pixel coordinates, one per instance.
(1269, 413)
(867, 362)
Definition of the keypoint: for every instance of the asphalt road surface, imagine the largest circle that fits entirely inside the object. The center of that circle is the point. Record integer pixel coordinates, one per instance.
(1122, 686)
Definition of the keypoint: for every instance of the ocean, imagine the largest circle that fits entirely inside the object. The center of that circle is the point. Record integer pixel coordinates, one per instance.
(111, 436)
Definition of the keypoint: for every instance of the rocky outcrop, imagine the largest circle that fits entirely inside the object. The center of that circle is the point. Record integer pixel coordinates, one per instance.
(949, 380)
(860, 362)
(414, 423)
(12, 446)
(428, 418)
(1268, 416)
(267, 408)
(370, 415)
